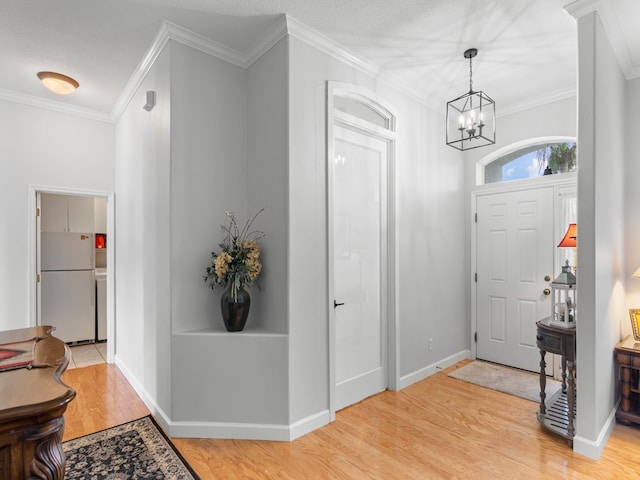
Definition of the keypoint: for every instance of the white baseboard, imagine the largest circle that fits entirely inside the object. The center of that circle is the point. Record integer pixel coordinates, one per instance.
(593, 449)
(248, 431)
(237, 431)
(429, 370)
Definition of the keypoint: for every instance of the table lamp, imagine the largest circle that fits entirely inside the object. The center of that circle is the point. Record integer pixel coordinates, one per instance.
(570, 240)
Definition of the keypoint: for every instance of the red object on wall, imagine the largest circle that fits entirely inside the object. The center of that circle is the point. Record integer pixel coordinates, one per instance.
(101, 240)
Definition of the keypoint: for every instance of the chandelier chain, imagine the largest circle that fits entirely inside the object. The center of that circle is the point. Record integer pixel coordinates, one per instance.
(470, 75)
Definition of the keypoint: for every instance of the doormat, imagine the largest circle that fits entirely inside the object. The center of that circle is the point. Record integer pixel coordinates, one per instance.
(505, 379)
(137, 449)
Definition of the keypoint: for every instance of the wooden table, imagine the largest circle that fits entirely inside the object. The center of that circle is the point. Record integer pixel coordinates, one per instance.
(628, 359)
(33, 400)
(559, 412)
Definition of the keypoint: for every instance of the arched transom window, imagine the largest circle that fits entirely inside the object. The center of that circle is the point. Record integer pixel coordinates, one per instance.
(533, 160)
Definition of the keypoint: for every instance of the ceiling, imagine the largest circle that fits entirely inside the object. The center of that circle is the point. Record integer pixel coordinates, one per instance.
(527, 48)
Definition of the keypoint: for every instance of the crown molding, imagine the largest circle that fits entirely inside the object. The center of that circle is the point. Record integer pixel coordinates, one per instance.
(145, 64)
(286, 25)
(300, 31)
(537, 102)
(204, 44)
(171, 31)
(52, 105)
(580, 8)
(276, 33)
(617, 40)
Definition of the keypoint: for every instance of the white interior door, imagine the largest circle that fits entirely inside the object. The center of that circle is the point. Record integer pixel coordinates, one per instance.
(38, 259)
(514, 261)
(359, 244)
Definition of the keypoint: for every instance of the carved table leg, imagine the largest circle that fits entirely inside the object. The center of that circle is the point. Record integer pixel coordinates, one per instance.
(543, 382)
(625, 402)
(571, 398)
(48, 462)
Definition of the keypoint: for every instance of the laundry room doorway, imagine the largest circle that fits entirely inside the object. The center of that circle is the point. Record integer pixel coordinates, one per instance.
(73, 265)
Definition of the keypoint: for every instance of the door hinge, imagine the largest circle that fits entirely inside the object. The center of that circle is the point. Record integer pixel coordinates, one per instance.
(37, 211)
(37, 278)
(475, 337)
(476, 218)
(475, 277)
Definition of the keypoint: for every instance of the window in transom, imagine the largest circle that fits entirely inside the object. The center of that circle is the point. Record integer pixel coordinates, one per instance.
(532, 161)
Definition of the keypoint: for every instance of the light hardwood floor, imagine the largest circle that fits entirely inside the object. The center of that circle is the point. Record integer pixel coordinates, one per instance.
(439, 428)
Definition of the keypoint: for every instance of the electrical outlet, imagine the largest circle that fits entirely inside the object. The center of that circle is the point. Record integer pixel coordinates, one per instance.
(430, 345)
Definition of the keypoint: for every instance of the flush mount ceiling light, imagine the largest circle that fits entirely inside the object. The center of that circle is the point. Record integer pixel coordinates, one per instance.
(58, 83)
(471, 118)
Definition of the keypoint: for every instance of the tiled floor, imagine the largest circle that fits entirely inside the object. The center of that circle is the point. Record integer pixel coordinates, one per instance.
(85, 355)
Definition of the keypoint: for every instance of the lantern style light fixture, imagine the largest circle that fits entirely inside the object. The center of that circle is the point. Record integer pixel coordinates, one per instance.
(471, 118)
(563, 299)
(58, 83)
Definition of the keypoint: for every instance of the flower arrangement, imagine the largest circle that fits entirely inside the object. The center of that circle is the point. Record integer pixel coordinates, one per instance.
(238, 262)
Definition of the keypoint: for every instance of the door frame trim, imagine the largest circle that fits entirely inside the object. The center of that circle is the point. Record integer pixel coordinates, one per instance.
(32, 267)
(388, 135)
(555, 181)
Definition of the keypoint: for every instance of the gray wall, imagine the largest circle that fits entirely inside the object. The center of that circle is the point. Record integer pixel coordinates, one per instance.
(601, 296)
(632, 199)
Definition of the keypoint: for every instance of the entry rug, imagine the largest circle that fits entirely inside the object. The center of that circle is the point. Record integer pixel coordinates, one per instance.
(505, 379)
(132, 451)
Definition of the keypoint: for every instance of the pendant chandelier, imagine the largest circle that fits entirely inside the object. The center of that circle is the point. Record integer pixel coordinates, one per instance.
(471, 118)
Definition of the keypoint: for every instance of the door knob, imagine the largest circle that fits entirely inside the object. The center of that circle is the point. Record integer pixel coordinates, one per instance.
(546, 291)
(547, 278)
(335, 304)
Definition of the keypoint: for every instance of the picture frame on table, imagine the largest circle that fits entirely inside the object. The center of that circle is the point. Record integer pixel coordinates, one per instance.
(634, 314)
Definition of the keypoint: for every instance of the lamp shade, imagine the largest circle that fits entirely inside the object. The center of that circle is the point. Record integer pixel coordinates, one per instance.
(636, 274)
(570, 238)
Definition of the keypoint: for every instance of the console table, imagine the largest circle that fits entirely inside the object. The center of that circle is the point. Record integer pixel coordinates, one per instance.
(628, 359)
(559, 412)
(33, 400)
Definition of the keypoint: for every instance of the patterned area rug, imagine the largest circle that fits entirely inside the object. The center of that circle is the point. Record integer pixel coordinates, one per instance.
(131, 451)
(505, 379)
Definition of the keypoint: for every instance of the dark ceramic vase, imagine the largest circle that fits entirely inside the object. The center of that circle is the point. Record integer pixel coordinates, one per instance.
(235, 311)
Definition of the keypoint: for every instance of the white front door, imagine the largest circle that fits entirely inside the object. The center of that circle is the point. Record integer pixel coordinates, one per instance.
(359, 218)
(514, 262)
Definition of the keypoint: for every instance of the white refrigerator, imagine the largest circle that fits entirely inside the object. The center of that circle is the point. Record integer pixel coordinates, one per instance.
(67, 286)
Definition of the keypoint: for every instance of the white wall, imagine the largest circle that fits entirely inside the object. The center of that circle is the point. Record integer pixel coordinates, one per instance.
(430, 216)
(601, 174)
(143, 239)
(632, 200)
(48, 149)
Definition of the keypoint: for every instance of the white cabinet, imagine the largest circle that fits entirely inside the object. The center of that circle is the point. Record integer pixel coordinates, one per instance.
(100, 214)
(80, 214)
(66, 213)
(54, 216)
